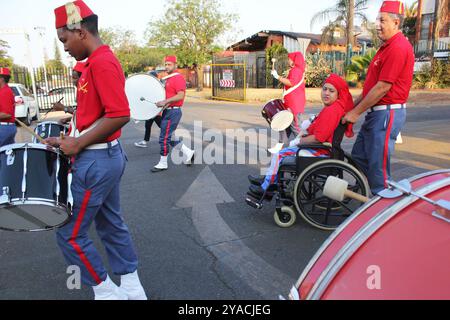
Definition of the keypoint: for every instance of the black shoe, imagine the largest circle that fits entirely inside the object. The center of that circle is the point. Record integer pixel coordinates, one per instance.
(257, 181)
(257, 190)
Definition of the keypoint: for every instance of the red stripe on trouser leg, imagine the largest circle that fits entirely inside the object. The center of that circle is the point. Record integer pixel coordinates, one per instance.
(386, 146)
(75, 245)
(275, 169)
(166, 136)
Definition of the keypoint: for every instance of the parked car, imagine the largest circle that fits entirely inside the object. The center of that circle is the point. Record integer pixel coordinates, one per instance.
(26, 106)
(69, 94)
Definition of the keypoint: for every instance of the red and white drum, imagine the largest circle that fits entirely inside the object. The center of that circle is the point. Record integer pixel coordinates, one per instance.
(277, 115)
(391, 249)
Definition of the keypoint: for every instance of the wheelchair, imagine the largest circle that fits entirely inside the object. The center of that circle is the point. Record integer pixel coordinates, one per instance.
(301, 180)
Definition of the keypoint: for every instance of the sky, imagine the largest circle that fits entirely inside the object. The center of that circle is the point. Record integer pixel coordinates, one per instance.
(254, 16)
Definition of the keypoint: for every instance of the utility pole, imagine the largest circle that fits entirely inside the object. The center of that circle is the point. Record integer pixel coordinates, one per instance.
(41, 33)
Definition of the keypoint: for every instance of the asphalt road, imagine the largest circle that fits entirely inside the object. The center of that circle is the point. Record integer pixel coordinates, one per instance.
(195, 236)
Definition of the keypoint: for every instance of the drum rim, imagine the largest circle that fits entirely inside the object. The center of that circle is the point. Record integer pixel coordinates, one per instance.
(148, 75)
(29, 145)
(39, 201)
(51, 122)
(277, 116)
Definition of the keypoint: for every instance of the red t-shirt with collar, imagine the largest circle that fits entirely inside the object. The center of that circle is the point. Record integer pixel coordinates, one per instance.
(393, 63)
(296, 100)
(326, 123)
(175, 85)
(7, 103)
(101, 91)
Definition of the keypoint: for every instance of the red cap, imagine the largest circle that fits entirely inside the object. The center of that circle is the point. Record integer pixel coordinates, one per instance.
(172, 59)
(79, 67)
(5, 72)
(396, 7)
(71, 13)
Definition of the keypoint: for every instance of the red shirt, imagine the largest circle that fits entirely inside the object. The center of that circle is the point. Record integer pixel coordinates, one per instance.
(7, 103)
(101, 91)
(393, 63)
(175, 85)
(326, 123)
(296, 100)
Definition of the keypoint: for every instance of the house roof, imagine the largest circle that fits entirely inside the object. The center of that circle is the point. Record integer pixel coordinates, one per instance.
(258, 40)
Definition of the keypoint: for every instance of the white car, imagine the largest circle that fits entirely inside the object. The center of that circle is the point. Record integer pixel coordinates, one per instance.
(26, 106)
(69, 94)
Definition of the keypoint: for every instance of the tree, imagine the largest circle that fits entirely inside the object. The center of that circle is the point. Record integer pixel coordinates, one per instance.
(5, 60)
(441, 13)
(118, 38)
(409, 25)
(55, 64)
(343, 13)
(191, 28)
(357, 70)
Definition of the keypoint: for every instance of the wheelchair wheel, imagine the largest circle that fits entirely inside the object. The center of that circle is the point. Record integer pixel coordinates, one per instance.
(318, 210)
(286, 218)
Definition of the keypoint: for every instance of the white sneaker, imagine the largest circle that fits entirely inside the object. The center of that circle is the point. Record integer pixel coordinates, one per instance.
(188, 153)
(132, 287)
(108, 290)
(162, 165)
(277, 148)
(141, 144)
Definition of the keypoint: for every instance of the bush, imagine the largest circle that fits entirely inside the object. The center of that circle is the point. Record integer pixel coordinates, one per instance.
(433, 76)
(317, 71)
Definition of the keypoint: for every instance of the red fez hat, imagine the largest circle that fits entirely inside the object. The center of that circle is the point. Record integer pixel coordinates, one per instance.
(5, 72)
(79, 67)
(396, 7)
(71, 13)
(172, 59)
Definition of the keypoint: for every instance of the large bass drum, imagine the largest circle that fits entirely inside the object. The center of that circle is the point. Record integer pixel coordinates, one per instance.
(143, 92)
(34, 188)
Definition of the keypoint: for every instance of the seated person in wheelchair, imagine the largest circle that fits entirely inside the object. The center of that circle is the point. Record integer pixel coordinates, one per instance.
(337, 102)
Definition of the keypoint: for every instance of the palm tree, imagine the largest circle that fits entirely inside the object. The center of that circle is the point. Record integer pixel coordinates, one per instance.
(409, 25)
(343, 13)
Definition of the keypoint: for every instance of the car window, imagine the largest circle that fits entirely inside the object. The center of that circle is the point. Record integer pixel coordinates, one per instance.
(16, 91)
(25, 91)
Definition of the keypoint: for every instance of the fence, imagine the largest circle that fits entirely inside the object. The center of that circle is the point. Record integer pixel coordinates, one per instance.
(229, 82)
(52, 85)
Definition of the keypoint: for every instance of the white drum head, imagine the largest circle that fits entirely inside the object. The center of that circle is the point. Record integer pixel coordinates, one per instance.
(143, 92)
(282, 120)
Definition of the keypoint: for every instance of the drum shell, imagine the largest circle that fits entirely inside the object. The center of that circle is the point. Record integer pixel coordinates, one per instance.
(46, 171)
(49, 129)
(272, 108)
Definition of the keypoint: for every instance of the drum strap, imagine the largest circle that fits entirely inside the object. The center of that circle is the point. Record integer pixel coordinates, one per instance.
(289, 91)
(170, 76)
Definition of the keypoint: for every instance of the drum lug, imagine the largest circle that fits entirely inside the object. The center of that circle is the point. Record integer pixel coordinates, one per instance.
(5, 198)
(10, 157)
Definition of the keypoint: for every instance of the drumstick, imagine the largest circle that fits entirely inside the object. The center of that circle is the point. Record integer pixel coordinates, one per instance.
(34, 134)
(273, 63)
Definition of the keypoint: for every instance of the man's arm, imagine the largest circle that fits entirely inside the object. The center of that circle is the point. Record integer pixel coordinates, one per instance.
(178, 97)
(372, 98)
(105, 128)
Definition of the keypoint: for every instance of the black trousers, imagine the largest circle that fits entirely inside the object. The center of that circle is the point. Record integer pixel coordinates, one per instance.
(148, 127)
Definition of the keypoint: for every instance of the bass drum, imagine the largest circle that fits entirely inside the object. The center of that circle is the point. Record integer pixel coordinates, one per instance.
(277, 115)
(34, 188)
(143, 92)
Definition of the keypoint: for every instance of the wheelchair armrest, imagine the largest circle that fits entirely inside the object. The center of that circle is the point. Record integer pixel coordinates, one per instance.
(313, 146)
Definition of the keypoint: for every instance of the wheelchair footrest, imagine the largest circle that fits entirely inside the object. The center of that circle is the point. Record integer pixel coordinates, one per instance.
(254, 203)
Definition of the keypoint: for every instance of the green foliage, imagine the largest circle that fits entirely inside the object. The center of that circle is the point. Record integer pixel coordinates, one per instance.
(318, 70)
(279, 52)
(5, 60)
(338, 17)
(191, 28)
(357, 70)
(138, 59)
(434, 76)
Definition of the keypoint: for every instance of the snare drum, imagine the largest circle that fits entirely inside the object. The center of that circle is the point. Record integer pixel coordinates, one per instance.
(49, 129)
(277, 115)
(34, 188)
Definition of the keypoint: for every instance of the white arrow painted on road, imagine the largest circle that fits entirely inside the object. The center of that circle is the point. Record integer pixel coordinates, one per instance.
(203, 196)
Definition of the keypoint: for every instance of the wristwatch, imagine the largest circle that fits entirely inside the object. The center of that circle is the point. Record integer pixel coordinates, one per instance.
(66, 109)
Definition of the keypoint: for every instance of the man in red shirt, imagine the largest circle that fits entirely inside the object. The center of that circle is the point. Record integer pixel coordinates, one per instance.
(7, 109)
(171, 117)
(386, 91)
(99, 160)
